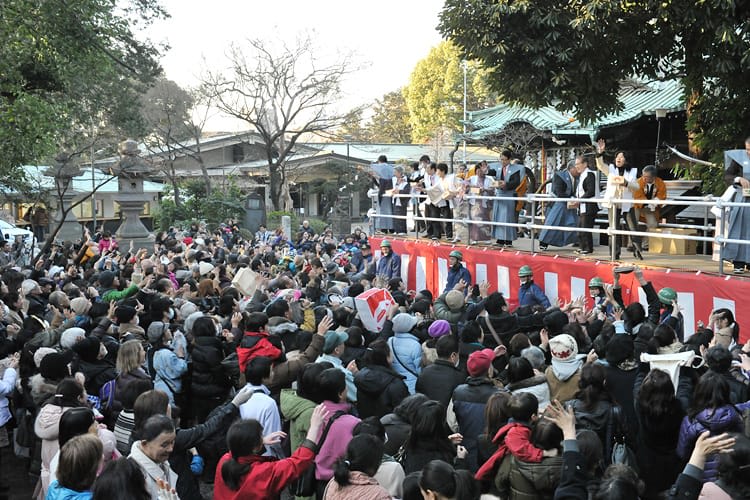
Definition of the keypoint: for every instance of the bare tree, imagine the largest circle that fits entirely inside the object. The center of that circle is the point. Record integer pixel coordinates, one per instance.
(173, 132)
(283, 92)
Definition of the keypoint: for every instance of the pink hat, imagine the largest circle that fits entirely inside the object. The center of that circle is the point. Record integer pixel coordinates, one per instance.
(479, 362)
(439, 328)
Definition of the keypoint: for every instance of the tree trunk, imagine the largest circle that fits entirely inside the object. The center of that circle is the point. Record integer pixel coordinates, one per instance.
(204, 171)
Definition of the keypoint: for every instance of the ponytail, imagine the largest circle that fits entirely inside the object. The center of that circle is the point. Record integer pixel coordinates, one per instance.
(232, 472)
(341, 472)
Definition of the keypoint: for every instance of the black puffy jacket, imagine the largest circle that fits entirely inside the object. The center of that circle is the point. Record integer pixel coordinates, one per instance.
(209, 380)
(379, 390)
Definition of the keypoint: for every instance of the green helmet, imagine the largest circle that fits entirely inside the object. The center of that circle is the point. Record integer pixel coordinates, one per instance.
(386, 243)
(456, 254)
(596, 282)
(667, 295)
(525, 271)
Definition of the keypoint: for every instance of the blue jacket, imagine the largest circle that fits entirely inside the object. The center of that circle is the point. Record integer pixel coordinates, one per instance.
(469, 401)
(57, 492)
(456, 275)
(530, 295)
(7, 384)
(168, 370)
(407, 358)
(389, 266)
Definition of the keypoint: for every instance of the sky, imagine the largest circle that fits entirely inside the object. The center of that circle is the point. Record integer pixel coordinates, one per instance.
(388, 38)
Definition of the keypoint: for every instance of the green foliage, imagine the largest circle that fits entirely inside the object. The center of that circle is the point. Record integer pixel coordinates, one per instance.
(67, 65)
(273, 220)
(575, 54)
(434, 95)
(390, 119)
(219, 206)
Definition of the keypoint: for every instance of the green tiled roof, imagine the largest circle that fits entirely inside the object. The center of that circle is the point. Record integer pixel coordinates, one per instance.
(637, 100)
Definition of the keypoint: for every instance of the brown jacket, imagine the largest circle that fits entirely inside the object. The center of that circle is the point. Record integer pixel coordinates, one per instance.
(660, 193)
(285, 373)
(562, 391)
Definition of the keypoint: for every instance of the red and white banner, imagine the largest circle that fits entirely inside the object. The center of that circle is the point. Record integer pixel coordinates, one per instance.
(424, 265)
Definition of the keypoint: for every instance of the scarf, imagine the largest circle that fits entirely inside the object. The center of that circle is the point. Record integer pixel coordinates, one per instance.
(563, 370)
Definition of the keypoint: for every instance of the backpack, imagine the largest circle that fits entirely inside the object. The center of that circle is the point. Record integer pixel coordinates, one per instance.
(107, 394)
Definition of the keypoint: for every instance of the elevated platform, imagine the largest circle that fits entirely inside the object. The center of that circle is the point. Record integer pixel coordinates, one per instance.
(564, 275)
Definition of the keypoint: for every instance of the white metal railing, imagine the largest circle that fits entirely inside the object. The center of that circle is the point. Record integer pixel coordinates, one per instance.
(532, 225)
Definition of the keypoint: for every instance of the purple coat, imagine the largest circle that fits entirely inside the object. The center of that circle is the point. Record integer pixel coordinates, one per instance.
(723, 419)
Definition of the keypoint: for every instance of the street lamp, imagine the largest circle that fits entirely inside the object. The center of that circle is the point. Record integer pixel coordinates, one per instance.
(660, 113)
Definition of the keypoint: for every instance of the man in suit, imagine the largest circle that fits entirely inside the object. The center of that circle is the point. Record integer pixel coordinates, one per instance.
(585, 188)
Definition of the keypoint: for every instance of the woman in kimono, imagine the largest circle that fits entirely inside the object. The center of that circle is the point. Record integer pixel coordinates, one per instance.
(622, 182)
(738, 175)
(480, 184)
(509, 178)
(400, 186)
(559, 214)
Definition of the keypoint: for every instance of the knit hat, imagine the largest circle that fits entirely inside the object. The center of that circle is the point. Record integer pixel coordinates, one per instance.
(54, 366)
(439, 328)
(156, 331)
(71, 337)
(88, 349)
(454, 300)
(124, 314)
(41, 353)
(187, 309)
(333, 340)
(204, 268)
(563, 347)
(28, 286)
(479, 362)
(106, 279)
(403, 323)
(80, 305)
(535, 356)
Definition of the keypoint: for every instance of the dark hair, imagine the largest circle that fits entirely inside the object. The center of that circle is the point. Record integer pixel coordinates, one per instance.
(331, 383)
(307, 381)
(519, 369)
(79, 462)
(243, 439)
(278, 307)
(518, 343)
(445, 346)
(132, 390)
(472, 332)
(591, 385)
(67, 393)
(620, 482)
(718, 359)
(727, 314)
(429, 425)
(733, 468)
(382, 159)
(257, 369)
(121, 479)
(155, 426)
(354, 337)
(663, 336)
(656, 397)
(507, 153)
(363, 454)
(633, 315)
(256, 321)
(370, 425)
(711, 392)
(441, 478)
(204, 326)
(590, 447)
(377, 354)
(410, 486)
(522, 406)
(146, 405)
(74, 422)
(407, 408)
(546, 435)
(442, 167)
(496, 413)
(494, 303)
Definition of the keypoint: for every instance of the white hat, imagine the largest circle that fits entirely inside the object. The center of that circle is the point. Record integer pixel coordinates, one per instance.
(204, 268)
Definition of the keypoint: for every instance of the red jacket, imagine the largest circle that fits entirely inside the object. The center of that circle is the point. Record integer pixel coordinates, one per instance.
(267, 476)
(514, 438)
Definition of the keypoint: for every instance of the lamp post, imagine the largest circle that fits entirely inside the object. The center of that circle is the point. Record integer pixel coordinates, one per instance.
(130, 171)
(660, 113)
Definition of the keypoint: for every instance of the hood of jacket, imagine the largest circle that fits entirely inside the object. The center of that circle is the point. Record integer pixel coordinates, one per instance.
(285, 327)
(293, 406)
(595, 418)
(526, 383)
(41, 389)
(719, 420)
(59, 492)
(545, 476)
(375, 379)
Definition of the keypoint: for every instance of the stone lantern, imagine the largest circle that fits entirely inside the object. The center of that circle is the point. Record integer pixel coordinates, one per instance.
(130, 172)
(63, 172)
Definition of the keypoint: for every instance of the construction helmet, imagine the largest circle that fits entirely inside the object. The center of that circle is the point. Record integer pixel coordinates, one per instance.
(525, 271)
(667, 295)
(385, 243)
(596, 282)
(456, 254)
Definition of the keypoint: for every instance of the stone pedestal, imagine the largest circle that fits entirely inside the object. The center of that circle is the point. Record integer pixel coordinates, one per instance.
(71, 229)
(286, 226)
(130, 172)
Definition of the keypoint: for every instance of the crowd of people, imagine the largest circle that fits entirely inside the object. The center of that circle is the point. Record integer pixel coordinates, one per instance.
(439, 199)
(132, 373)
